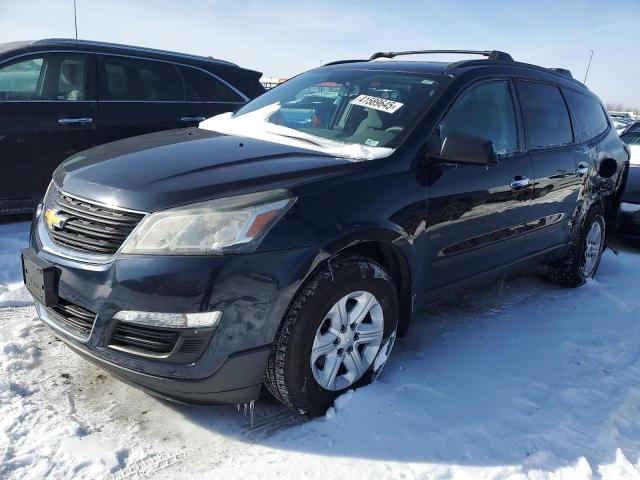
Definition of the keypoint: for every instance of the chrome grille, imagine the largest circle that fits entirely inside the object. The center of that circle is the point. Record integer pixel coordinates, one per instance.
(87, 226)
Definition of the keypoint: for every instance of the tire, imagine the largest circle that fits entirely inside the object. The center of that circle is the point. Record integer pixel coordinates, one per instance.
(294, 375)
(571, 271)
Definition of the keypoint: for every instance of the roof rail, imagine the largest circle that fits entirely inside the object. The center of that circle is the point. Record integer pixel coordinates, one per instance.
(95, 43)
(562, 71)
(490, 54)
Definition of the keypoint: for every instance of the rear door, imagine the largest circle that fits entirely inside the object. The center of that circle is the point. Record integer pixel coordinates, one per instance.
(556, 157)
(139, 96)
(48, 111)
(477, 214)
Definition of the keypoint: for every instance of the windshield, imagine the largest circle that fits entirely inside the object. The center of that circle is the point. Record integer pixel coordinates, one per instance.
(358, 114)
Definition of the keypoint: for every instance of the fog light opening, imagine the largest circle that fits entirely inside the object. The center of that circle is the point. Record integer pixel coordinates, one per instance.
(170, 320)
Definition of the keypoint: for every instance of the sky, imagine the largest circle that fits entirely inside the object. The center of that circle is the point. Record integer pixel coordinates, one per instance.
(286, 37)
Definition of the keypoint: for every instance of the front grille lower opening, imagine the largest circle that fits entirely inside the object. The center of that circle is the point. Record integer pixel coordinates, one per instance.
(73, 318)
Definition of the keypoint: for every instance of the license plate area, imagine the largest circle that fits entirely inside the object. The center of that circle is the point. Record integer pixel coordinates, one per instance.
(39, 278)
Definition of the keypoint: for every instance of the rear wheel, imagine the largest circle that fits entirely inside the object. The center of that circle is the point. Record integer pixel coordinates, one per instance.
(583, 259)
(336, 335)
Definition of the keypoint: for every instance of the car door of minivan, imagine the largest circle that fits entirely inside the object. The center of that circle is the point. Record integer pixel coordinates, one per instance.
(48, 111)
(476, 213)
(138, 96)
(555, 157)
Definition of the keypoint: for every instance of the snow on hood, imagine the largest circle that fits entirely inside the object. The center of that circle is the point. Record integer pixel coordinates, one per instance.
(256, 125)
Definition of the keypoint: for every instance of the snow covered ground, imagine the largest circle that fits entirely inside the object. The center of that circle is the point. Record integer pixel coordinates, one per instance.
(518, 380)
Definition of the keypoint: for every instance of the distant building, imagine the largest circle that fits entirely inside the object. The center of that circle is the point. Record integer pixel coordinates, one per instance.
(269, 82)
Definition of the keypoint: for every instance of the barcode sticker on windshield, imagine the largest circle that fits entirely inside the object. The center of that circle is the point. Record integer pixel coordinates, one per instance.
(377, 103)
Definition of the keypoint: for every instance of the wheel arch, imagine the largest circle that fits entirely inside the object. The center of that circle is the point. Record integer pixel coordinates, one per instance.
(392, 250)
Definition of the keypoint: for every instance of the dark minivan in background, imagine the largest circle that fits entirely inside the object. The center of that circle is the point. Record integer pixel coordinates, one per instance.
(59, 96)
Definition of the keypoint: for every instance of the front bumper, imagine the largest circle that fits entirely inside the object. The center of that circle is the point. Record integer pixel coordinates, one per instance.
(253, 292)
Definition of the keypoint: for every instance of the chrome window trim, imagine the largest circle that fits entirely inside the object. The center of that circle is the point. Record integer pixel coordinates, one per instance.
(75, 255)
(135, 57)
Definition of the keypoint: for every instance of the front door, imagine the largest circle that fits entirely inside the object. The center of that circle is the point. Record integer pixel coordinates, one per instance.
(48, 112)
(476, 214)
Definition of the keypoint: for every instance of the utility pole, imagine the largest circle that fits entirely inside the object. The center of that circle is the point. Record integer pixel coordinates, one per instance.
(75, 18)
(588, 66)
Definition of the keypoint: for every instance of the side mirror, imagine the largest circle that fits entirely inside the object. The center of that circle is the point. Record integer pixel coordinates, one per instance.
(464, 148)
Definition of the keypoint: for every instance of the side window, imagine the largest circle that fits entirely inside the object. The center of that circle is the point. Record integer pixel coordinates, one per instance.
(206, 88)
(590, 118)
(47, 77)
(546, 118)
(72, 79)
(20, 80)
(486, 111)
(142, 80)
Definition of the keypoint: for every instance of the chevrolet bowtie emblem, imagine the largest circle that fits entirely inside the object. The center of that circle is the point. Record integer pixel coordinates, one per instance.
(54, 219)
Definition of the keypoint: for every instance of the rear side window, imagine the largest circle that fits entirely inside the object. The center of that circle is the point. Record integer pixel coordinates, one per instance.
(203, 87)
(142, 80)
(590, 118)
(546, 118)
(60, 76)
(485, 111)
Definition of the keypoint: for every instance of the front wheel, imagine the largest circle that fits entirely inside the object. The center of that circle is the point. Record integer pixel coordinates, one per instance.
(337, 335)
(583, 259)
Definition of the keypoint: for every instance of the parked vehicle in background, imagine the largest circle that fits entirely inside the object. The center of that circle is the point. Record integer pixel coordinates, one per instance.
(630, 207)
(620, 125)
(633, 125)
(58, 97)
(290, 242)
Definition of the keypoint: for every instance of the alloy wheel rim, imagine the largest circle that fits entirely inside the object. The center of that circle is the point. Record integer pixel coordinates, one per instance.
(593, 249)
(347, 341)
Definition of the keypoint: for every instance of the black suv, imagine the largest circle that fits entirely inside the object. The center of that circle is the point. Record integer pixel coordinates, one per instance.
(289, 243)
(58, 97)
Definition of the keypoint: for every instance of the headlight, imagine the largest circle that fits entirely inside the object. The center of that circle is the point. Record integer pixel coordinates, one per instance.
(225, 225)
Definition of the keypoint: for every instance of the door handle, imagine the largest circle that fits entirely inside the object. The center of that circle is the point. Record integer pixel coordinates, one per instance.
(75, 121)
(193, 119)
(519, 183)
(583, 169)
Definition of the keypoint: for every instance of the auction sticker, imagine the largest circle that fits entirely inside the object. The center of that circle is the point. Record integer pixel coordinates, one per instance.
(377, 103)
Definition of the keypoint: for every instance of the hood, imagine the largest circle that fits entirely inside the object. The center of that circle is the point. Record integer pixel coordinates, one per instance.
(177, 167)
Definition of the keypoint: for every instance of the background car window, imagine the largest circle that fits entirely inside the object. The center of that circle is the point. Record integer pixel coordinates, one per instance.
(72, 79)
(631, 138)
(205, 88)
(19, 81)
(49, 77)
(485, 111)
(590, 118)
(546, 118)
(142, 80)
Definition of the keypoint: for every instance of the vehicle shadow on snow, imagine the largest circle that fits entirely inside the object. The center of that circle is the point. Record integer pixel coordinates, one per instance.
(515, 373)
